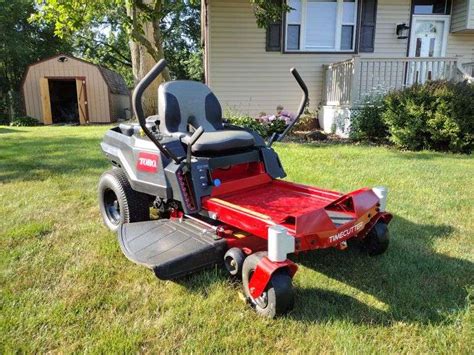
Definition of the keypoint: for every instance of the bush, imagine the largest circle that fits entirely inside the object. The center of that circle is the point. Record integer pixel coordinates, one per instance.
(4, 119)
(366, 121)
(438, 115)
(307, 122)
(24, 121)
(265, 129)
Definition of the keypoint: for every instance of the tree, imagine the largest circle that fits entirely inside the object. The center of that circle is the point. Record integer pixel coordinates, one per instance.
(105, 45)
(269, 11)
(144, 21)
(21, 43)
(156, 29)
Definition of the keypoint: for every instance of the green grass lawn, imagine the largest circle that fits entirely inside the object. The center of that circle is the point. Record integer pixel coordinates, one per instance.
(65, 285)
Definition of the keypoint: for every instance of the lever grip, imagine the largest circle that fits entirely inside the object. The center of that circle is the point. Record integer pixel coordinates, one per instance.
(138, 108)
(303, 103)
(197, 133)
(142, 86)
(299, 80)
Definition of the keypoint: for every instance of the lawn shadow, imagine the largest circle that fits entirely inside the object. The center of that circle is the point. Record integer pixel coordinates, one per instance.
(4, 130)
(37, 159)
(430, 155)
(416, 283)
(316, 305)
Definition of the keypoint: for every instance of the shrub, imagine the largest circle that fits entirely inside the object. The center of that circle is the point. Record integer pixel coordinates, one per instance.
(4, 119)
(366, 121)
(438, 115)
(307, 122)
(24, 121)
(263, 128)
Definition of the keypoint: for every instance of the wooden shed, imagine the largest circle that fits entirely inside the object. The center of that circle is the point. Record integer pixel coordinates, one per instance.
(65, 89)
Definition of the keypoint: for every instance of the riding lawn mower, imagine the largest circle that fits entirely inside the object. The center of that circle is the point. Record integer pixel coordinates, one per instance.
(219, 197)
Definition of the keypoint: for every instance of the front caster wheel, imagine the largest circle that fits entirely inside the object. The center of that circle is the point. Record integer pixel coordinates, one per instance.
(234, 261)
(377, 240)
(278, 297)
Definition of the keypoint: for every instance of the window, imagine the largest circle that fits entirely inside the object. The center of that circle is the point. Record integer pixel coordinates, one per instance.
(321, 25)
(431, 7)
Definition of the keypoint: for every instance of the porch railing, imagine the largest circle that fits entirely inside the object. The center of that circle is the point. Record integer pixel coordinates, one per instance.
(468, 68)
(348, 82)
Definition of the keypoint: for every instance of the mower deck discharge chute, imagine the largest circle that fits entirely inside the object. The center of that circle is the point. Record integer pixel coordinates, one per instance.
(219, 196)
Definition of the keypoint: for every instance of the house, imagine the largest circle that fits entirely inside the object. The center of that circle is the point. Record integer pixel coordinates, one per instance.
(344, 49)
(65, 89)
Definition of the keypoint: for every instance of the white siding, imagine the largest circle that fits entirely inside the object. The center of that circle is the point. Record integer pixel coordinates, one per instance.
(247, 78)
(470, 23)
(250, 80)
(459, 15)
(462, 18)
(97, 90)
(461, 44)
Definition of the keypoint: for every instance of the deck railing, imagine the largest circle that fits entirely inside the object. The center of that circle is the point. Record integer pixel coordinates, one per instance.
(468, 68)
(338, 83)
(349, 82)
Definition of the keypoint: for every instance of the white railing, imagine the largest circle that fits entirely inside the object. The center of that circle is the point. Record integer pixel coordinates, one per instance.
(468, 68)
(347, 82)
(338, 82)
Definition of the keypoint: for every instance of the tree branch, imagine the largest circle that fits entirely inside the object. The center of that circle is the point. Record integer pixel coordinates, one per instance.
(125, 60)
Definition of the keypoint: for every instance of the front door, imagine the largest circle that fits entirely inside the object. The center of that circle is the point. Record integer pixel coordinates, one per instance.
(428, 39)
(429, 36)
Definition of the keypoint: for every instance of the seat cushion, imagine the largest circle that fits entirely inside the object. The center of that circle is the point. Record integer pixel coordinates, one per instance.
(219, 141)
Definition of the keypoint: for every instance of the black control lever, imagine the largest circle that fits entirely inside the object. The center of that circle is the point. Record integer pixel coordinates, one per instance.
(304, 101)
(196, 135)
(138, 109)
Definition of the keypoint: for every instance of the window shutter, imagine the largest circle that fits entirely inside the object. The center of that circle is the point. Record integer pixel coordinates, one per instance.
(274, 37)
(274, 34)
(367, 26)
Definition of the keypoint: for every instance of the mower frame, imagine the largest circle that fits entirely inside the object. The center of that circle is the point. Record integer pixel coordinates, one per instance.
(236, 198)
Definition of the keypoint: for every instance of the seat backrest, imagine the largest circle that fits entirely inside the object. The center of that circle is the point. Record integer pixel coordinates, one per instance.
(185, 102)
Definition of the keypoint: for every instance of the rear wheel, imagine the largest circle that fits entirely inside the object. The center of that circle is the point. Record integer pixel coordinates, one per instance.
(377, 240)
(277, 298)
(119, 203)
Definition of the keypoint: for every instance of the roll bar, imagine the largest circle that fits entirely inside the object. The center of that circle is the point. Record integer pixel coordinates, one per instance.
(304, 101)
(138, 108)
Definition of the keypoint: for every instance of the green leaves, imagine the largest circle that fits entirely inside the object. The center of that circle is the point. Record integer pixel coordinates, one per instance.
(437, 115)
(21, 43)
(268, 12)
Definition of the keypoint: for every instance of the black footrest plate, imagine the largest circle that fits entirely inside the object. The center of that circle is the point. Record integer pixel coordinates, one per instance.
(171, 248)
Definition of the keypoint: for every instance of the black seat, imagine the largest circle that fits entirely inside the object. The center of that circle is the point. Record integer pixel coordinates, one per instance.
(190, 103)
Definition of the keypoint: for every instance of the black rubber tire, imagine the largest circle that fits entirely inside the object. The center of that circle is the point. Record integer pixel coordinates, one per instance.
(234, 261)
(278, 297)
(377, 240)
(132, 206)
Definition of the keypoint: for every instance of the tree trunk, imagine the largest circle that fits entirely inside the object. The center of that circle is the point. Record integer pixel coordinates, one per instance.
(142, 62)
(146, 50)
(11, 105)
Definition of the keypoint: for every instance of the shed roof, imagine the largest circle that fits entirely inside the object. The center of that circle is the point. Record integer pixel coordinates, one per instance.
(114, 80)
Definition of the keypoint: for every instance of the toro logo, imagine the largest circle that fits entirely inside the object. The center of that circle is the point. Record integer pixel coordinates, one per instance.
(355, 228)
(147, 162)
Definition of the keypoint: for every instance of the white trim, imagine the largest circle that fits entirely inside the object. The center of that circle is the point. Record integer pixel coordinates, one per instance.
(339, 24)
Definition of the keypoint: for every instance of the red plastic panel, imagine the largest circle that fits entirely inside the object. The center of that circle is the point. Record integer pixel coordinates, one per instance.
(263, 273)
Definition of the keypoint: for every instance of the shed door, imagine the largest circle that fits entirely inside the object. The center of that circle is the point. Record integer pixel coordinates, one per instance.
(45, 101)
(81, 100)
